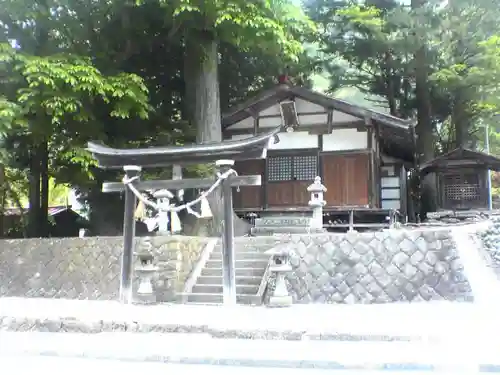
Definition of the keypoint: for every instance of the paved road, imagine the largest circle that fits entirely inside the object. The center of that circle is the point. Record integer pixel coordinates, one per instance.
(451, 338)
(192, 349)
(65, 366)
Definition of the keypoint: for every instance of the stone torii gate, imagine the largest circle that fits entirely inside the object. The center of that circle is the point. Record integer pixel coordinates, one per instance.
(224, 154)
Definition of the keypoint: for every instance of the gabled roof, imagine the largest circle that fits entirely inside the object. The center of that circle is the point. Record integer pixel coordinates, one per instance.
(461, 158)
(395, 132)
(281, 92)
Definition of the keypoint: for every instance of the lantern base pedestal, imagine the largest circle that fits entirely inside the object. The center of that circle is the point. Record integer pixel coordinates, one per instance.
(280, 301)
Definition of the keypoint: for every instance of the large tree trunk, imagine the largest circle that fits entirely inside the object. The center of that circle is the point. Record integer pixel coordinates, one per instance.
(38, 192)
(202, 86)
(3, 199)
(34, 194)
(35, 215)
(203, 109)
(389, 82)
(44, 189)
(425, 131)
(460, 122)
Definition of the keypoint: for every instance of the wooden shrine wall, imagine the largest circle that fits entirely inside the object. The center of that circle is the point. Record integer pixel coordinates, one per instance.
(288, 176)
(346, 178)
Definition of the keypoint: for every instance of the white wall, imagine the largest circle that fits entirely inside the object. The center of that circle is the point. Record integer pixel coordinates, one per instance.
(339, 140)
(290, 141)
(394, 205)
(390, 193)
(345, 139)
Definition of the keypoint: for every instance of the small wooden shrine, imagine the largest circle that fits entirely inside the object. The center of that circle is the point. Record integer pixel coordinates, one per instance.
(462, 178)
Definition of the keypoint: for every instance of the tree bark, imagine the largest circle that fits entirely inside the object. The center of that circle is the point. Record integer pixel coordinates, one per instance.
(203, 110)
(35, 215)
(44, 189)
(202, 85)
(34, 194)
(389, 82)
(460, 122)
(425, 131)
(3, 196)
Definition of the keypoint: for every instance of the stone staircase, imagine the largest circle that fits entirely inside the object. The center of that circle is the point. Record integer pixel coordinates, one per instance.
(251, 265)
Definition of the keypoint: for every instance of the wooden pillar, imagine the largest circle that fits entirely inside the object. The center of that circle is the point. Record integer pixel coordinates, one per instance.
(263, 187)
(320, 160)
(372, 175)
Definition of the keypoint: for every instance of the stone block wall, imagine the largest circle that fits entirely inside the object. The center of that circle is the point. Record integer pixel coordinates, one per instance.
(489, 243)
(378, 267)
(89, 268)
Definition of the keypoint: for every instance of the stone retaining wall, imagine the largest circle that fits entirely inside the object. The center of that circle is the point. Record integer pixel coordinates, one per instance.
(88, 268)
(378, 267)
(489, 242)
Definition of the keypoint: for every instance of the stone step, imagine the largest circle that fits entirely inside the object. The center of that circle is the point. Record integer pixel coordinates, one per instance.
(241, 249)
(249, 244)
(254, 241)
(212, 298)
(217, 280)
(217, 255)
(239, 263)
(239, 272)
(215, 289)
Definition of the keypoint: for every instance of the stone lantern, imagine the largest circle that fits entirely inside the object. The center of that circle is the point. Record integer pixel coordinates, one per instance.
(317, 190)
(280, 266)
(146, 271)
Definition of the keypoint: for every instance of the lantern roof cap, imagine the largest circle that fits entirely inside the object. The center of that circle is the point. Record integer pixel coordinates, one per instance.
(278, 250)
(316, 186)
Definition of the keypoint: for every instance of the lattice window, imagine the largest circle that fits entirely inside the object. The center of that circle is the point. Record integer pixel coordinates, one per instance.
(462, 187)
(290, 168)
(279, 168)
(305, 168)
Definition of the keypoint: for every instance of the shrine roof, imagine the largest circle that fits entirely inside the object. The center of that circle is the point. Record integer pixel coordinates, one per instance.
(395, 133)
(461, 158)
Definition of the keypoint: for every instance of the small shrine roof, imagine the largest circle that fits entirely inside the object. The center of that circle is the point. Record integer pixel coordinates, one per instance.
(461, 158)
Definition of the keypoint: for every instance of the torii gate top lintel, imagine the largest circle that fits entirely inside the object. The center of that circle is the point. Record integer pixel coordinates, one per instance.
(241, 149)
